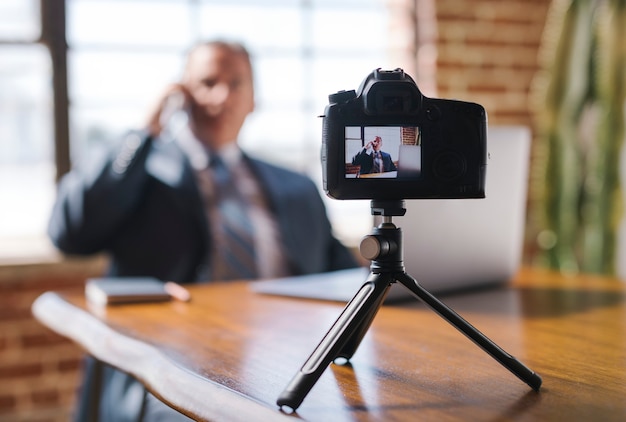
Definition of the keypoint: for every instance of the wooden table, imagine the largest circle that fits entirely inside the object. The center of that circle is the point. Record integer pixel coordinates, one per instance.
(229, 353)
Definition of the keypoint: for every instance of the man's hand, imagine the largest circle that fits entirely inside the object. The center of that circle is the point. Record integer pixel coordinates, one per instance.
(174, 98)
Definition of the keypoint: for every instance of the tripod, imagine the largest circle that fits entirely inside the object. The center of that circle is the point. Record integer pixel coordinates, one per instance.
(384, 249)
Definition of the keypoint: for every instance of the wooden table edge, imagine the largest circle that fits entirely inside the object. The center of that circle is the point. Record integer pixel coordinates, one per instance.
(204, 399)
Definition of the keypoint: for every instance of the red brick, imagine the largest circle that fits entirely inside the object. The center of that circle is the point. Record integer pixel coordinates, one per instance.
(43, 339)
(45, 397)
(20, 371)
(70, 365)
(7, 403)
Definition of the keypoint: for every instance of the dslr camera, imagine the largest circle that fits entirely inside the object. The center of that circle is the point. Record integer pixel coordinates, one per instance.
(387, 141)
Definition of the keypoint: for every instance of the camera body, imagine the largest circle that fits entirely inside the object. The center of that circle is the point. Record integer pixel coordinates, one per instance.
(387, 141)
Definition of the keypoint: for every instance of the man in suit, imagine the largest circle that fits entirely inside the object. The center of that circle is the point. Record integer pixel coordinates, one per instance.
(153, 205)
(372, 160)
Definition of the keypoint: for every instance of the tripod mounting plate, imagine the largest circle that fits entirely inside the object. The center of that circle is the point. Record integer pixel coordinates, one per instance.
(388, 208)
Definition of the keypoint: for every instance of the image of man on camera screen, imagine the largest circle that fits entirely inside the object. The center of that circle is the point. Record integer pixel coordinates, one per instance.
(373, 160)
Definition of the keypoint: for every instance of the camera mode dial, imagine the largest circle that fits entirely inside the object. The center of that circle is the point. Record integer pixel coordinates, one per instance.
(342, 96)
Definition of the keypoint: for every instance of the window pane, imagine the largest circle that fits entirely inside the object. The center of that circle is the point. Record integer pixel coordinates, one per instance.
(263, 25)
(121, 76)
(26, 150)
(277, 78)
(277, 133)
(127, 23)
(349, 30)
(110, 92)
(19, 20)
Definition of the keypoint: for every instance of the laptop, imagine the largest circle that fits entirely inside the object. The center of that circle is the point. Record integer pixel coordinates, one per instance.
(449, 245)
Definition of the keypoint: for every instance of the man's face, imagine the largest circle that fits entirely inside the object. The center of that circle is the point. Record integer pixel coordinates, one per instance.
(377, 143)
(220, 84)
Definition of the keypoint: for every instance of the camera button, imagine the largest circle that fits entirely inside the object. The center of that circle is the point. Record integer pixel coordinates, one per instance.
(432, 113)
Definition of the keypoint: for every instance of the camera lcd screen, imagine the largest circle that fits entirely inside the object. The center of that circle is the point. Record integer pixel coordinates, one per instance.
(383, 152)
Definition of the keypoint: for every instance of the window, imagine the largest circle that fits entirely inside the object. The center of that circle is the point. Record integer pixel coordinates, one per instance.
(122, 53)
(26, 134)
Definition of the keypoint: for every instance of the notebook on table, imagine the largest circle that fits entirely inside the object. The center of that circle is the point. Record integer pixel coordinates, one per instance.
(449, 245)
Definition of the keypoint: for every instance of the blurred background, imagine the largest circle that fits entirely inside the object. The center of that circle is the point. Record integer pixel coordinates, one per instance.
(75, 74)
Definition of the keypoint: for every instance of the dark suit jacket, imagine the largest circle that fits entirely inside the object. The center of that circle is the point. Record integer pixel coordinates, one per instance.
(142, 206)
(366, 161)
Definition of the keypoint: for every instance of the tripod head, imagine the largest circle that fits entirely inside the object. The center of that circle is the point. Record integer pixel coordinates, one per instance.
(383, 247)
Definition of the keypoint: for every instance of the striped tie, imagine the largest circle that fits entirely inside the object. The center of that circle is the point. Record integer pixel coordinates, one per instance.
(378, 162)
(234, 256)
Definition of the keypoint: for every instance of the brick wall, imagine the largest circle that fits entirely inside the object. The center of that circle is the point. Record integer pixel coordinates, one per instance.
(409, 136)
(488, 53)
(485, 51)
(39, 370)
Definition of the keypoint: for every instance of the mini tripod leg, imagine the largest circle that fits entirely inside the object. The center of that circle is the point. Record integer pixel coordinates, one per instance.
(516, 367)
(355, 339)
(342, 339)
